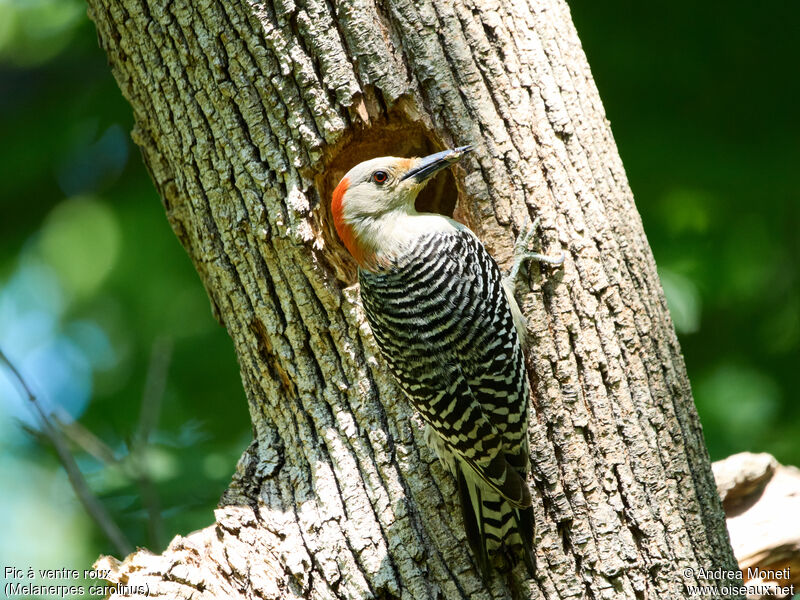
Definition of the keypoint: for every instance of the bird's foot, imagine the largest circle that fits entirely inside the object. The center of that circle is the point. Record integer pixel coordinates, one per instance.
(522, 253)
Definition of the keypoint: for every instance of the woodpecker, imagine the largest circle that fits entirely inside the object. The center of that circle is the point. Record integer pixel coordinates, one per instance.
(447, 326)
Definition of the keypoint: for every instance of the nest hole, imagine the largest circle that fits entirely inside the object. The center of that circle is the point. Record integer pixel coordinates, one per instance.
(439, 196)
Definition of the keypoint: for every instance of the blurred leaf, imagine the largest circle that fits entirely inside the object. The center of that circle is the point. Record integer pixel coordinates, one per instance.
(683, 300)
(33, 31)
(158, 463)
(81, 239)
(741, 404)
(686, 211)
(93, 342)
(218, 466)
(93, 164)
(749, 259)
(780, 330)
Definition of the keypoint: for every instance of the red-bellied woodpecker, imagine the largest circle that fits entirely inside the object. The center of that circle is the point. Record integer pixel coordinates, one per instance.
(446, 324)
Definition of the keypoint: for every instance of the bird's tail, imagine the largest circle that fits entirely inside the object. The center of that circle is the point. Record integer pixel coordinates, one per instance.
(499, 534)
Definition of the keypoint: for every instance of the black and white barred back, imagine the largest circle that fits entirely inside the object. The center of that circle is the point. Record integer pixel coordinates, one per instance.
(440, 315)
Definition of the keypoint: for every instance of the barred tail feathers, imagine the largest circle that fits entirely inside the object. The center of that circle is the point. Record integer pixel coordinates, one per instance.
(498, 533)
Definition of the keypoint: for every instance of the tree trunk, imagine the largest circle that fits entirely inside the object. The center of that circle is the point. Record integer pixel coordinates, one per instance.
(247, 114)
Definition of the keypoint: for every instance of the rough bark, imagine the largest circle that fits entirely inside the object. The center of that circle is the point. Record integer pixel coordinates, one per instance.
(247, 114)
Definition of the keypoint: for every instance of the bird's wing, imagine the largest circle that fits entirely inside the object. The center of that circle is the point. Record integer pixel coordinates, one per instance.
(443, 323)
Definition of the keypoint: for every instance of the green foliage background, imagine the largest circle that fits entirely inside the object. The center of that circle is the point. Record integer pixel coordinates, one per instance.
(702, 100)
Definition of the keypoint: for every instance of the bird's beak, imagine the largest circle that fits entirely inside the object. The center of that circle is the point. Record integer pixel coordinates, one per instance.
(430, 165)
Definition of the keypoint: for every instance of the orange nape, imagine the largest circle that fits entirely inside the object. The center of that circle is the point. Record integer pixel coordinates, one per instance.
(344, 230)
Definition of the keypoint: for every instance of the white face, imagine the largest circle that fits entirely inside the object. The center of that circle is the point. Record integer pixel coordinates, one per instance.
(375, 188)
(373, 205)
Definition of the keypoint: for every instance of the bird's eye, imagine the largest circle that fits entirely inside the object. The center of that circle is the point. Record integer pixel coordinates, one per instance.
(380, 177)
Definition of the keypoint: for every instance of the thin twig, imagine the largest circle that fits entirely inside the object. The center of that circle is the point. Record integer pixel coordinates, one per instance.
(153, 393)
(90, 502)
(85, 439)
(155, 383)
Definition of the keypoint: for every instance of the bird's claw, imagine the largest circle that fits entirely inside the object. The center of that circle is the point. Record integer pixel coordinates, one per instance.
(522, 252)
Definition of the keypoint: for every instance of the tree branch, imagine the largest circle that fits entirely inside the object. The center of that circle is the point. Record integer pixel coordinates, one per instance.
(91, 504)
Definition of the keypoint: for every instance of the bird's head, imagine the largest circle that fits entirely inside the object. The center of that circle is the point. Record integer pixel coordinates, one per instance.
(373, 191)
